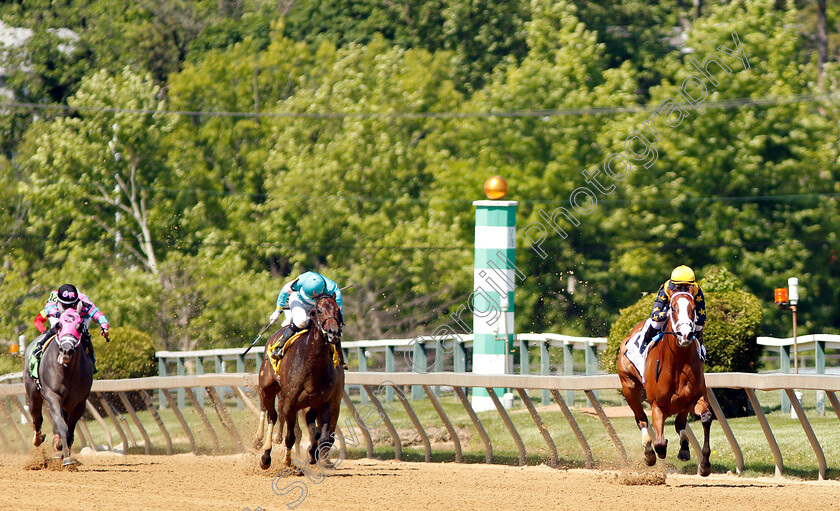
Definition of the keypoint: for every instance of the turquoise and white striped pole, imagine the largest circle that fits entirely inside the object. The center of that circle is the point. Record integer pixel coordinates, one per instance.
(494, 283)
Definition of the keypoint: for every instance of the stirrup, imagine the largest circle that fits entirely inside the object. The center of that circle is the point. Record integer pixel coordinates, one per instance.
(277, 354)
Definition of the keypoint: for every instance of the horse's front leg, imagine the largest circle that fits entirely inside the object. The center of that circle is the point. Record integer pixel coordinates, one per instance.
(660, 443)
(311, 425)
(290, 419)
(36, 404)
(268, 418)
(679, 425)
(632, 391)
(59, 425)
(704, 467)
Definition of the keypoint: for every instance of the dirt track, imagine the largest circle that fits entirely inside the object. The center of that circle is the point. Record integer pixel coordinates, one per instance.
(233, 483)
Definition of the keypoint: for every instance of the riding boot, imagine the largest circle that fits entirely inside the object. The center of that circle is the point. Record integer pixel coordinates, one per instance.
(699, 336)
(37, 351)
(648, 336)
(291, 330)
(88, 345)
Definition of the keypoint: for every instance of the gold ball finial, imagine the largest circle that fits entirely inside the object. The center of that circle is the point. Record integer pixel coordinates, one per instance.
(495, 187)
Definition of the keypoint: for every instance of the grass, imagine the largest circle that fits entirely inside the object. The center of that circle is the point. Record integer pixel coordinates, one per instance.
(799, 459)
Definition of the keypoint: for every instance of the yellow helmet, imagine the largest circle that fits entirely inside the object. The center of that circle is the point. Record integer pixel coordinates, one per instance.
(682, 275)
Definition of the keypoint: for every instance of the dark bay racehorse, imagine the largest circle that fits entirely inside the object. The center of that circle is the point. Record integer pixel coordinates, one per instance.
(66, 375)
(307, 379)
(673, 383)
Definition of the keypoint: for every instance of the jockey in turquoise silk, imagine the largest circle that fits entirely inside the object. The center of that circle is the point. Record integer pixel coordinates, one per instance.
(297, 298)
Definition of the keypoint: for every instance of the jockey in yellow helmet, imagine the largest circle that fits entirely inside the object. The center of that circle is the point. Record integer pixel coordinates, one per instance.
(682, 279)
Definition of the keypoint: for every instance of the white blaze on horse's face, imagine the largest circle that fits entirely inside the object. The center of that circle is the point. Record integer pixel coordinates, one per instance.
(684, 324)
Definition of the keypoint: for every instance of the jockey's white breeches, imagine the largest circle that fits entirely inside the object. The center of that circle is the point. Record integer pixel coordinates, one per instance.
(298, 311)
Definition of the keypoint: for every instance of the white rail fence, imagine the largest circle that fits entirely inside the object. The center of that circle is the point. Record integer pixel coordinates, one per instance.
(12, 435)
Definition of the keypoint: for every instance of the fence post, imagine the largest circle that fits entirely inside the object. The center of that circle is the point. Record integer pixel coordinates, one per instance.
(360, 352)
(460, 356)
(784, 366)
(180, 371)
(199, 369)
(569, 370)
(389, 368)
(421, 365)
(161, 372)
(545, 369)
(524, 361)
(819, 365)
(591, 354)
(438, 362)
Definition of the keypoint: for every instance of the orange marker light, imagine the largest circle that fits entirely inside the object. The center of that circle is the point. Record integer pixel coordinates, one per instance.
(780, 295)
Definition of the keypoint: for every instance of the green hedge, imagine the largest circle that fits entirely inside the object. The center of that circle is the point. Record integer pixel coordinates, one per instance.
(130, 354)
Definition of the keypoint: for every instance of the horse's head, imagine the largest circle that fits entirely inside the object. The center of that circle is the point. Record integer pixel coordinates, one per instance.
(681, 317)
(69, 336)
(327, 317)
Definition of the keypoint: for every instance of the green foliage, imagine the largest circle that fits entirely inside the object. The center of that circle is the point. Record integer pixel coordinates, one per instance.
(718, 279)
(733, 318)
(129, 354)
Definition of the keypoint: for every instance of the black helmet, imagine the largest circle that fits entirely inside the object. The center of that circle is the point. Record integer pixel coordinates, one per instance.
(68, 295)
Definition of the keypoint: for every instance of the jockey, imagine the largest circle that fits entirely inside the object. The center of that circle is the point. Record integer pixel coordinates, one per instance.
(68, 297)
(298, 298)
(682, 279)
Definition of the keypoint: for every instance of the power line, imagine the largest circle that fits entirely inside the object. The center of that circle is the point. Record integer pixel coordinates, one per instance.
(556, 112)
(424, 200)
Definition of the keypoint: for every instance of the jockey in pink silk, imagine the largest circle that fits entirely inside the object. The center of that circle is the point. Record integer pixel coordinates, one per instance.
(68, 297)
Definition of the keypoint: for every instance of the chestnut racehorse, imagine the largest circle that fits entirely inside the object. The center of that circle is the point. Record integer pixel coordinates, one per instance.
(673, 383)
(307, 380)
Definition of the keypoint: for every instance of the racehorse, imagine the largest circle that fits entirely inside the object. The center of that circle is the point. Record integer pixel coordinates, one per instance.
(673, 383)
(307, 378)
(65, 378)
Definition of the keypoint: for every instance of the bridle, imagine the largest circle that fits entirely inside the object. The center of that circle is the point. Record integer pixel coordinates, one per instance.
(321, 324)
(675, 323)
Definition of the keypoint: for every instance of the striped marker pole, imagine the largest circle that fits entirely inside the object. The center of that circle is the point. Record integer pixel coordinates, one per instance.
(494, 284)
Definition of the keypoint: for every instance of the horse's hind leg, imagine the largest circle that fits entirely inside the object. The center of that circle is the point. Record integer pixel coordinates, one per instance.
(704, 467)
(679, 425)
(660, 444)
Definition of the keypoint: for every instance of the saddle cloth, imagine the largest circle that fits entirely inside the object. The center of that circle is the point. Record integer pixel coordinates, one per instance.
(275, 363)
(639, 359)
(632, 352)
(35, 362)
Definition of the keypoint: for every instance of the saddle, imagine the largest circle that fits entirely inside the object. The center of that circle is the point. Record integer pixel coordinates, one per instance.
(275, 363)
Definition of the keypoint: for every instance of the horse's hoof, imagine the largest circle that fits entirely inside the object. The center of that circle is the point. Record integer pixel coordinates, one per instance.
(684, 455)
(650, 457)
(704, 469)
(265, 461)
(57, 445)
(39, 439)
(661, 450)
(68, 461)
